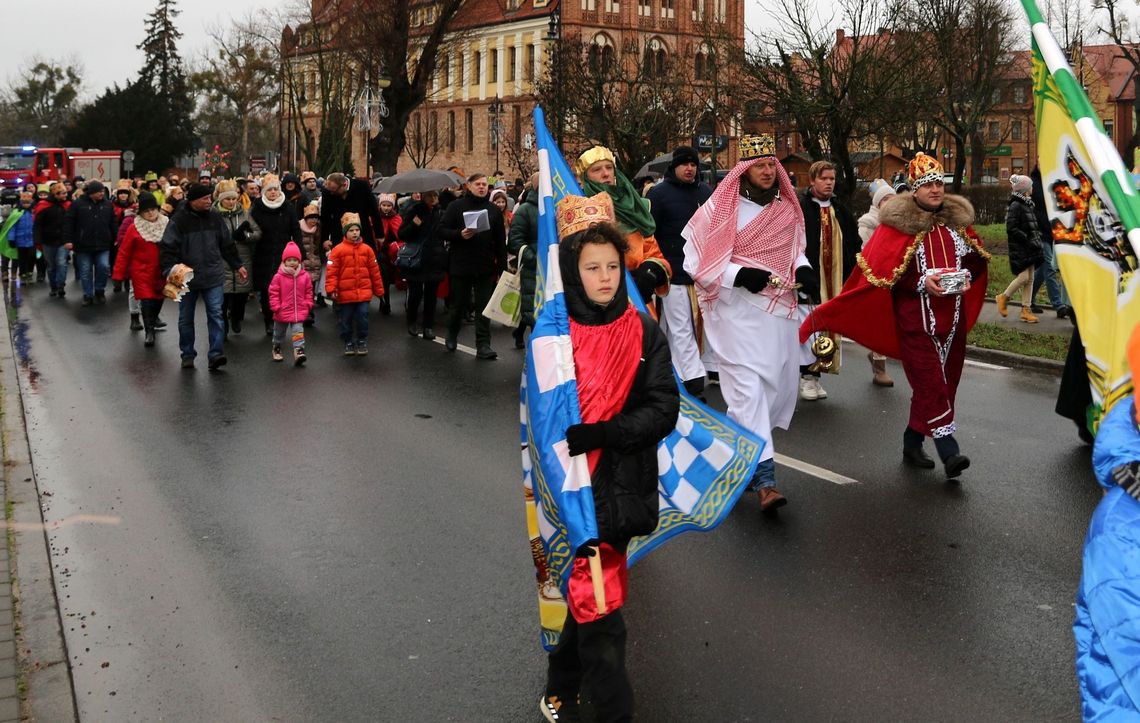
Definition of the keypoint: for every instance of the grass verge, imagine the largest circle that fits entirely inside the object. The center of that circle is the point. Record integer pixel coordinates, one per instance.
(1042, 346)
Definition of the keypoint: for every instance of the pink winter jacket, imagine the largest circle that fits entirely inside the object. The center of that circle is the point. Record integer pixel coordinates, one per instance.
(290, 295)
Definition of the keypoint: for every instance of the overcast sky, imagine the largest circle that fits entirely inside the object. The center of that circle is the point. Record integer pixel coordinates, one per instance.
(103, 36)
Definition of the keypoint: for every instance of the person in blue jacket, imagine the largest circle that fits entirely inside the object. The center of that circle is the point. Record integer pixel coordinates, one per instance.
(1107, 626)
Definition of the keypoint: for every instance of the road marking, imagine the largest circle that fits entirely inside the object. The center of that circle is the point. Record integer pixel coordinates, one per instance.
(65, 522)
(986, 365)
(465, 349)
(808, 468)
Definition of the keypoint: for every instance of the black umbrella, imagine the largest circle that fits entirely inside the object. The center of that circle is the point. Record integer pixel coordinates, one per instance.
(660, 164)
(418, 180)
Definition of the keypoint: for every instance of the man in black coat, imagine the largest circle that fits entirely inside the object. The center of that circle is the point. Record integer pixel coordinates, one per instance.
(198, 237)
(340, 196)
(823, 214)
(89, 232)
(672, 203)
(476, 258)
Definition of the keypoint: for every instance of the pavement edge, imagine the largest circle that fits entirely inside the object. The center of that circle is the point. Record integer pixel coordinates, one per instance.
(42, 649)
(1017, 361)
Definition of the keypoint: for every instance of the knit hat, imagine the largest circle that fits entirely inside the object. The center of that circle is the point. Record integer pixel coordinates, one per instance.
(198, 190)
(291, 252)
(881, 194)
(684, 154)
(1020, 183)
(312, 211)
(308, 176)
(204, 174)
(225, 189)
(150, 176)
(389, 197)
(349, 220)
(94, 187)
(270, 181)
(147, 201)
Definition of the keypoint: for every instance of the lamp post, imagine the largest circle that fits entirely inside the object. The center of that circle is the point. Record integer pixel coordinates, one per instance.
(495, 110)
(369, 108)
(554, 38)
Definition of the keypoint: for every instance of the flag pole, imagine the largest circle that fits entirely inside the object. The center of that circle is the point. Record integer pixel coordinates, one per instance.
(598, 579)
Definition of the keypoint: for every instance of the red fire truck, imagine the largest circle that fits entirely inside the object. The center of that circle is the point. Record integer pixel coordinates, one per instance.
(20, 165)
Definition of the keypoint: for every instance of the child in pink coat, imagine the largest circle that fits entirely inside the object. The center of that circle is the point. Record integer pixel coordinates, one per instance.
(291, 299)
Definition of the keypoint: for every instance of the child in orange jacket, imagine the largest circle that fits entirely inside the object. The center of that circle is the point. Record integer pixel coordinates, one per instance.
(352, 278)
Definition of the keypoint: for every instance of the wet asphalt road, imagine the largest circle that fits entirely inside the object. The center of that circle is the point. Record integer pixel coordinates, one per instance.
(346, 543)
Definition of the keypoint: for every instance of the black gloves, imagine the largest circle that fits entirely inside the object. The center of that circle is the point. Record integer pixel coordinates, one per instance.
(648, 277)
(241, 233)
(582, 438)
(753, 280)
(808, 280)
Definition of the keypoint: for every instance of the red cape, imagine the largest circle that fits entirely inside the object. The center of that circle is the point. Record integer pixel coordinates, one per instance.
(864, 310)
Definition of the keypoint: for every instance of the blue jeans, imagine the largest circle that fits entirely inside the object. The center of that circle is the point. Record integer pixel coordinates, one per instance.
(764, 476)
(84, 261)
(350, 314)
(56, 259)
(213, 298)
(1048, 274)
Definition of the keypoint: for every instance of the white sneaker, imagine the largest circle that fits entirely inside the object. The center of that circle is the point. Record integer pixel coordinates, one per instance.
(809, 389)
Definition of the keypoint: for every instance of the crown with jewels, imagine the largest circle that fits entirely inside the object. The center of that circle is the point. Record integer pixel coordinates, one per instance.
(578, 213)
(756, 146)
(923, 169)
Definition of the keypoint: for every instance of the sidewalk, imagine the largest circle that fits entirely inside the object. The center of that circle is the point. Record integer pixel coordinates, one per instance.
(1048, 322)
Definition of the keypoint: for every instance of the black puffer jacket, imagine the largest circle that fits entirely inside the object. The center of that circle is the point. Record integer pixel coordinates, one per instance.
(278, 227)
(1024, 238)
(625, 480)
(48, 226)
(672, 203)
(524, 232)
(483, 254)
(433, 263)
(202, 241)
(90, 226)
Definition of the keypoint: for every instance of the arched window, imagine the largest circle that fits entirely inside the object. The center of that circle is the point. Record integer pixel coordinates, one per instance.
(451, 131)
(655, 59)
(601, 53)
(704, 64)
(469, 122)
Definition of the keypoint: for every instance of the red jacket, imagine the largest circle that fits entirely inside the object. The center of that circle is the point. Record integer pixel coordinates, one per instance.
(389, 226)
(290, 295)
(137, 262)
(352, 274)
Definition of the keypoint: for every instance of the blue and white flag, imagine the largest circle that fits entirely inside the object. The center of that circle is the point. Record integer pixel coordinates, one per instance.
(705, 463)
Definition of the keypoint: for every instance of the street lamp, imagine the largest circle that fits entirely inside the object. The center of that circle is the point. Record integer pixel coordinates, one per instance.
(369, 108)
(553, 38)
(495, 110)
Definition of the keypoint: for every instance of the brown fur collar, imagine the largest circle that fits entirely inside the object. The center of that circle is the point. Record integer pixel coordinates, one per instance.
(903, 213)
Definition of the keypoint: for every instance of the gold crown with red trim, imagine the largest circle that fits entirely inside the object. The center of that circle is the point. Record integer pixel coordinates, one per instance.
(756, 146)
(923, 169)
(578, 213)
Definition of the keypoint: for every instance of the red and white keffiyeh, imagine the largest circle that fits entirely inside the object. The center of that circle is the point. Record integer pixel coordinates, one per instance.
(772, 241)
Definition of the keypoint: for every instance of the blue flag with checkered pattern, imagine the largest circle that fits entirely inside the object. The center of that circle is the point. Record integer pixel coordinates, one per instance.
(704, 464)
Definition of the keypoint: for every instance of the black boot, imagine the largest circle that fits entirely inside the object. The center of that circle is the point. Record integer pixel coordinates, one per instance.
(148, 318)
(952, 459)
(136, 325)
(913, 453)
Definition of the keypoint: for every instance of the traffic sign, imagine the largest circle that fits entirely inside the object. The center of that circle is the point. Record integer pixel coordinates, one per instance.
(705, 141)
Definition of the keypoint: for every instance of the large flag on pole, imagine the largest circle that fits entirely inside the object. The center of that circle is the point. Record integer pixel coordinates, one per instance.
(704, 464)
(1095, 212)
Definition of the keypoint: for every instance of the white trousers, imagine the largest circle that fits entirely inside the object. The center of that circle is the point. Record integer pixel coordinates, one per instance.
(677, 323)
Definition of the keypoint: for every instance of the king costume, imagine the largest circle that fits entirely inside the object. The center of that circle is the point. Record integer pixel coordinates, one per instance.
(888, 307)
(743, 247)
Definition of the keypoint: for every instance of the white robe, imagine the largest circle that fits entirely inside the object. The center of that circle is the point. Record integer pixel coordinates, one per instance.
(757, 352)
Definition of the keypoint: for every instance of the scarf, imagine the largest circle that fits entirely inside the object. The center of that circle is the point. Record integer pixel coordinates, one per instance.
(772, 241)
(757, 195)
(272, 205)
(283, 269)
(631, 208)
(1025, 197)
(151, 231)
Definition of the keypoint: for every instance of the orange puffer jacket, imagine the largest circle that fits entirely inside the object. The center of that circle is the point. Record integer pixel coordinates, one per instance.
(353, 274)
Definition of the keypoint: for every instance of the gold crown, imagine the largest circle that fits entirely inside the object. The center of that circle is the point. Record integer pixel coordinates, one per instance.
(578, 213)
(349, 219)
(592, 156)
(756, 146)
(923, 169)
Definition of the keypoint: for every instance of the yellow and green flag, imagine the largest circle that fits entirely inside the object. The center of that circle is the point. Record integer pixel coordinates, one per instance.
(1095, 213)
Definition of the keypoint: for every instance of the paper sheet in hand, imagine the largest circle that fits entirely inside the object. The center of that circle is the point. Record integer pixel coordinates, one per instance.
(477, 220)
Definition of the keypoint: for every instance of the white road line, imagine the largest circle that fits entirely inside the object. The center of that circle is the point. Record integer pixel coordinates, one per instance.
(985, 365)
(465, 349)
(808, 468)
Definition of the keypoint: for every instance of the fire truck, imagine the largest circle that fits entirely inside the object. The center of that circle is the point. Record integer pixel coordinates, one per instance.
(21, 165)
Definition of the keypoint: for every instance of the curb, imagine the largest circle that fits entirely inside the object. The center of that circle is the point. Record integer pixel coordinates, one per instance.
(42, 649)
(1016, 361)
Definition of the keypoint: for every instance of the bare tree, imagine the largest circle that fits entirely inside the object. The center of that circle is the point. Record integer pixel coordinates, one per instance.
(971, 44)
(838, 88)
(1117, 19)
(421, 139)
